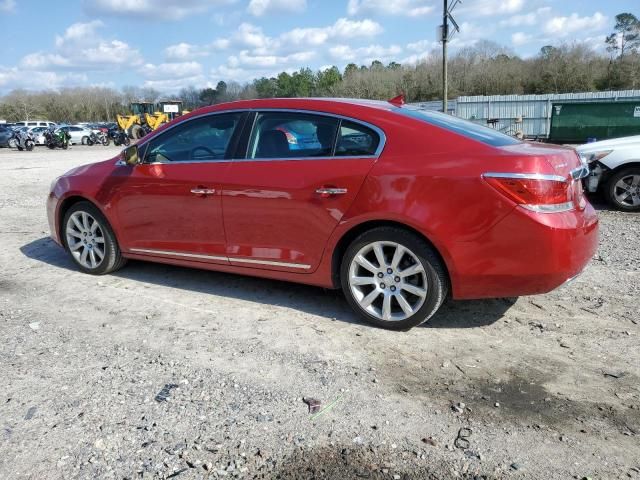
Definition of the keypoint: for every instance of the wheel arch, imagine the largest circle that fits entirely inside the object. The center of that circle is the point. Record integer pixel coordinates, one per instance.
(623, 166)
(69, 202)
(356, 230)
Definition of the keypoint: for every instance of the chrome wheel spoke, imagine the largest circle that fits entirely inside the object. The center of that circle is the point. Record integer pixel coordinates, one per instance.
(98, 251)
(363, 262)
(92, 258)
(406, 308)
(386, 307)
(363, 281)
(419, 292)
(83, 256)
(397, 256)
(74, 233)
(76, 246)
(368, 300)
(77, 223)
(98, 239)
(377, 249)
(412, 270)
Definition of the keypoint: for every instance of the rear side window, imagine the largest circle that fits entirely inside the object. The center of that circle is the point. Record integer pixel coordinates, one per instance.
(356, 140)
(292, 135)
(483, 134)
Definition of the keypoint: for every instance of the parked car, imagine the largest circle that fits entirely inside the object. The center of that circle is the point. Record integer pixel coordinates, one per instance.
(79, 134)
(6, 134)
(38, 135)
(35, 123)
(614, 169)
(399, 207)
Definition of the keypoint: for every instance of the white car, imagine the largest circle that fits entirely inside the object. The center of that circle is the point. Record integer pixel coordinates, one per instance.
(79, 134)
(38, 134)
(614, 168)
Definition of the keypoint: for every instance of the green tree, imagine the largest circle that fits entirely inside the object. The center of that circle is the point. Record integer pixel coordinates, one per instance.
(327, 79)
(626, 35)
(266, 87)
(208, 96)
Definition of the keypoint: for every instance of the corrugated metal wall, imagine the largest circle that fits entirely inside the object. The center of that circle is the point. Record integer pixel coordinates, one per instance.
(535, 110)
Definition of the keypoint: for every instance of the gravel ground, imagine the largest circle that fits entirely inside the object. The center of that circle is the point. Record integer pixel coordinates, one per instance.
(166, 372)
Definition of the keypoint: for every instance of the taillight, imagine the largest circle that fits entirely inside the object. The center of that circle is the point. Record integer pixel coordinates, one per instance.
(534, 191)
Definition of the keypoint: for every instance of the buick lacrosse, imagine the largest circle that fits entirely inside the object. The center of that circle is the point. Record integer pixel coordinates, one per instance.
(397, 206)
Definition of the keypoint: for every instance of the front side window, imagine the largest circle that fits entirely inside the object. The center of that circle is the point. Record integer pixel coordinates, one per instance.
(201, 139)
(292, 135)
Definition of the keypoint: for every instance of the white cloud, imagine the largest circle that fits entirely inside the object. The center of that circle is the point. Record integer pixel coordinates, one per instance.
(12, 78)
(365, 54)
(262, 7)
(526, 19)
(485, 8)
(520, 38)
(409, 8)
(81, 48)
(153, 10)
(170, 70)
(247, 60)
(7, 5)
(563, 26)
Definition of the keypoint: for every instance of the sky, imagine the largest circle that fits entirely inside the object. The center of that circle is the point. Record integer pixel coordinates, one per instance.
(170, 44)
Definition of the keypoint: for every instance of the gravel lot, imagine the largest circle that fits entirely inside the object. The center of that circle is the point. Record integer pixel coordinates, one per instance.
(548, 385)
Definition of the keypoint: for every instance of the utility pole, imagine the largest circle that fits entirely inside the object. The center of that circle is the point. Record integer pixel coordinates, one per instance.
(444, 38)
(445, 35)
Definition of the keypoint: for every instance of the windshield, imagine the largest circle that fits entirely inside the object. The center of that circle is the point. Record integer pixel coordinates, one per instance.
(469, 129)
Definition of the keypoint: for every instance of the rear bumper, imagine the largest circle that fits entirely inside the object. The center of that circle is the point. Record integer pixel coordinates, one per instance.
(526, 253)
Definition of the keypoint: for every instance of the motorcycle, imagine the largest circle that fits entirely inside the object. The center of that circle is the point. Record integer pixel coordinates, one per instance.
(119, 137)
(56, 138)
(23, 140)
(100, 137)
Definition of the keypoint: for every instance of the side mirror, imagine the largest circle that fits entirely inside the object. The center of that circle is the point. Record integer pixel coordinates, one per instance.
(130, 155)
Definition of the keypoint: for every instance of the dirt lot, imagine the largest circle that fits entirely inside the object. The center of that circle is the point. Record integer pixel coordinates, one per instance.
(548, 385)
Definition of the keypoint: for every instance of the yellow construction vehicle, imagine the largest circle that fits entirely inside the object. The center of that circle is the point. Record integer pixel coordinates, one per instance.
(147, 116)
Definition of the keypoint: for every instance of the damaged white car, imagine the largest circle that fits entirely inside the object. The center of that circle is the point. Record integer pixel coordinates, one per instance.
(614, 168)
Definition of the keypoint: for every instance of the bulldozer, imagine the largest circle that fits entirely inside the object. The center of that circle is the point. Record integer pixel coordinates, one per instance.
(148, 116)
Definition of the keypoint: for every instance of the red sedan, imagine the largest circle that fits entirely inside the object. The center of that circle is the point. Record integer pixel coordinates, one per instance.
(398, 207)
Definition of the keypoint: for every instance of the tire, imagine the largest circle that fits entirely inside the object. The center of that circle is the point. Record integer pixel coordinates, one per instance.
(51, 145)
(127, 142)
(89, 142)
(106, 141)
(136, 132)
(12, 143)
(623, 190)
(428, 286)
(65, 145)
(29, 145)
(20, 148)
(80, 219)
(84, 140)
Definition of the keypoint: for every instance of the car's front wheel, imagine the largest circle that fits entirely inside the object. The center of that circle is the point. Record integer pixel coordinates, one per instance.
(623, 189)
(392, 278)
(90, 241)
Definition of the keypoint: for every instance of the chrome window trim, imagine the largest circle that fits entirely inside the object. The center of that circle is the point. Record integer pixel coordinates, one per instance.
(222, 258)
(526, 176)
(376, 154)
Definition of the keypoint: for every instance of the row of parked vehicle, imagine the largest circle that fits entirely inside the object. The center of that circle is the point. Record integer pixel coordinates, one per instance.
(26, 135)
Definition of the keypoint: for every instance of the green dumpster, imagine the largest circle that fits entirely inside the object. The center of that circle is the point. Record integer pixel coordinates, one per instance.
(579, 122)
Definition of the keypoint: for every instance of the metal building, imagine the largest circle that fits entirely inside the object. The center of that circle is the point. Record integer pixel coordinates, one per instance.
(530, 114)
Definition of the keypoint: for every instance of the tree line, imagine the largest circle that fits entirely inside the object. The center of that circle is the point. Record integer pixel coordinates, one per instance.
(483, 69)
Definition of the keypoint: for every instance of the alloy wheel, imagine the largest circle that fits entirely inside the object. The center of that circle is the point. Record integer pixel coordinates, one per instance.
(627, 190)
(85, 239)
(388, 281)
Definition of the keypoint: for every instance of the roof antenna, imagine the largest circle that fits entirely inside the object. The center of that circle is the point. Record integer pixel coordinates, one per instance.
(397, 101)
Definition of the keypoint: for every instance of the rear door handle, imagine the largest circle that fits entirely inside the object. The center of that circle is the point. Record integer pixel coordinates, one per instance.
(203, 191)
(329, 191)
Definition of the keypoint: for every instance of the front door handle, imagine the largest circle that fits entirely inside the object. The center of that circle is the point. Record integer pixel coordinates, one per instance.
(329, 191)
(203, 191)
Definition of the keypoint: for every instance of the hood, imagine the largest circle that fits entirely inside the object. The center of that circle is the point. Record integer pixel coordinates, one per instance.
(614, 142)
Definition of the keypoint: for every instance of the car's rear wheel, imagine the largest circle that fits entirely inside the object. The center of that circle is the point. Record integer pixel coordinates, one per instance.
(623, 189)
(84, 140)
(90, 241)
(392, 278)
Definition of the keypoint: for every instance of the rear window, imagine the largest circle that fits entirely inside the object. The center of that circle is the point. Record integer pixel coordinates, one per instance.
(457, 125)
